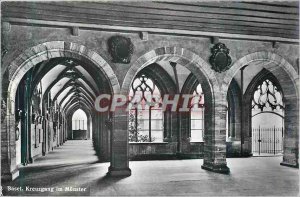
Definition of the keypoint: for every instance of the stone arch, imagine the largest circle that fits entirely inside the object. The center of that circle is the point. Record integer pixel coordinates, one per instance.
(48, 50)
(190, 84)
(247, 101)
(27, 60)
(166, 85)
(216, 106)
(161, 78)
(266, 56)
(193, 62)
(179, 55)
(288, 78)
(234, 105)
(188, 87)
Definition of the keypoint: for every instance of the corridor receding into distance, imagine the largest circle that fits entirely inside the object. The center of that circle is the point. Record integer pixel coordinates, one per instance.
(150, 98)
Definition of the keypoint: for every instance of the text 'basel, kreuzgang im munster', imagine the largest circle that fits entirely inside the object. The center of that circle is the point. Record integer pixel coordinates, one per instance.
(150, 98)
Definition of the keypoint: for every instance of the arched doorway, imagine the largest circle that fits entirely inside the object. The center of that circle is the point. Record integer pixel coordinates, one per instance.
(286, 77)
(50, 84)
(267, 116)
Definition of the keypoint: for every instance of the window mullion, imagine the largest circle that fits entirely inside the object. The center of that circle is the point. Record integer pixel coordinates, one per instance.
(136, 125)
(149, 124)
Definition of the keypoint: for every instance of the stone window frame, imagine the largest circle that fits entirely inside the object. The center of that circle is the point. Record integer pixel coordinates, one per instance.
(136, 110)
(166, 85)
(249, 93)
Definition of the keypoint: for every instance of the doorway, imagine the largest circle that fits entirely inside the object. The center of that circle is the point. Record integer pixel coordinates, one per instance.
(267, 117)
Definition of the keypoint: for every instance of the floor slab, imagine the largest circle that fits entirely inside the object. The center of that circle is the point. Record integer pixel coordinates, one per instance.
(74, 166)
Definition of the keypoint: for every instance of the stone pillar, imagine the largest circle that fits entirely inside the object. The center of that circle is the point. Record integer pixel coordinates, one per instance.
(291, 133)
(119, 165)
(9, 169)
(88, 128)
(215, 139)
(99, 134)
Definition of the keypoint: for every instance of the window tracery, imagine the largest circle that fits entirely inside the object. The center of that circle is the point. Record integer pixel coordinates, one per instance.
(267, 97)
(145, 124)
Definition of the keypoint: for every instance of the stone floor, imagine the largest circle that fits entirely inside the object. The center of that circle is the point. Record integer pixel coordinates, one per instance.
(75, 165)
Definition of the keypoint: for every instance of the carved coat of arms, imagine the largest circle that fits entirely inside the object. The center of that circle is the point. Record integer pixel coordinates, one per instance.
(220, 59)
(120, 48)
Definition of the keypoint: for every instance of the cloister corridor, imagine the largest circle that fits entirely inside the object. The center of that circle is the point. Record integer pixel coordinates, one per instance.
(156, 98)
(75, 165)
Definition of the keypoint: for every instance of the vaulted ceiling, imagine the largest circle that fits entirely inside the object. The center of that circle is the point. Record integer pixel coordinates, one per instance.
(70, 83)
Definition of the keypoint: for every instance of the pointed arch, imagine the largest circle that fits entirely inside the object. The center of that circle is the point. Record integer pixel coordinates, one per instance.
(49, 50)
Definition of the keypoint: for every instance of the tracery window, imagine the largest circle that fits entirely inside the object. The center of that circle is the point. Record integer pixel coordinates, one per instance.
(145, 123)
(197, 115)
(267, 120)
(267, 97)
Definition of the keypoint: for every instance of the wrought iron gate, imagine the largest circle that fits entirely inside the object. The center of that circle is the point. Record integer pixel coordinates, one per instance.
(267, 141)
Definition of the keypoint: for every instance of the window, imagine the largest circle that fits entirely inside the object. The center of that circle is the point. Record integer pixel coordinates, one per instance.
(197, 115)
(267, 97)
(145, 123)
(79, 120)
(267, 119)
(267, 106)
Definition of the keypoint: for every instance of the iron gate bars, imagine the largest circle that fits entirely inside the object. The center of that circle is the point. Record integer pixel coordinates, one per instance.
(267, 140)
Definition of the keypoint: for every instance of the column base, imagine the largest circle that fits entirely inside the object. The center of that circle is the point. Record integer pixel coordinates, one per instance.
(289, 165)
(10, 176)
(118, 172)
(223, 169)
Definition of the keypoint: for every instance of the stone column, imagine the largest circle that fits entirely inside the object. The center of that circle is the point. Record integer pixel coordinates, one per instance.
(88, 128)
(215, 138)
(291, 133)
(119, 165)
(9, 169)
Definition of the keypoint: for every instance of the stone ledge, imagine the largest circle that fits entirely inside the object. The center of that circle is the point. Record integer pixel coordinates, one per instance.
(223, 169)
(118, 172)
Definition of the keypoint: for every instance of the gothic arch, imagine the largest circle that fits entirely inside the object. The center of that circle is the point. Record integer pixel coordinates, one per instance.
(234, 107)
(47, 51)
(193, 62)
(291, 102)
(27, 60)
(188, 87)
(182, 56)
(162, 79)
(248, 96)
(280, 62)
(216, 102)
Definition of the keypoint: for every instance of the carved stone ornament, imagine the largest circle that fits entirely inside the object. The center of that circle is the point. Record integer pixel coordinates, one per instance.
(120, 49)
(220, 59)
